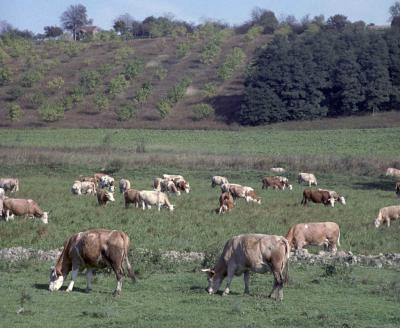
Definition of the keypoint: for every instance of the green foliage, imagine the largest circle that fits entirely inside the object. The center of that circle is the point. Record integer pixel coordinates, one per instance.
(5, 75)
(210, 51)
(51, 112)
(30, 78)
(122, 54)
(117, 85)
(202, 111)
(36, 100)
(133, 69)
(183, 49)
(105, 69)
(73, 49)
(210, 90)
(283, 30)
(231, 63)
(67, 102)
(143, 93)
(55, 84)
(164, 107)
(89, 81)
(77, 94)
(160, 73)
(101, 102)
(14, 112)
(179, 90)
(125, 112)
(253, 33)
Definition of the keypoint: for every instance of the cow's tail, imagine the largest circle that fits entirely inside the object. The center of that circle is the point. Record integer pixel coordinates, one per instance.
(285, 262)
(131, 272)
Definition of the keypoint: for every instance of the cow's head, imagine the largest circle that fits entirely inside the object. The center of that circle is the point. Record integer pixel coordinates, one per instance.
(214, 281)
(187, 187)
(56, 279)
(342, 200)
(171, 207)
(332, 201)
(45, 217)
(110, 196)
(377, 222)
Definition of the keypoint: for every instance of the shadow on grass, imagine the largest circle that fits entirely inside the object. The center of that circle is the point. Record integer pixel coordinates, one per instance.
(379, 185)
(63, 289)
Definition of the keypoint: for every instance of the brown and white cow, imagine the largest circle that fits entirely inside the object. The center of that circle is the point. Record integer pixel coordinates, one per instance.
(397, 188)
(9, 184)
(387, 214)
(124, 185)
(338, 198)
(226, 203)
(275, 183)
(108, 182)
(392, 172)
(132, 196)
(244, 192)
(97, 248)
(325, 234)
(308, 178)
(83, 187)
(23, 207)
(182, 185)
(98, 176)
(317, 196)
(153, 197)
(218, 180)
(170, 187)
(251, 252)
(104, 196)
(173, 176)
(87, 179)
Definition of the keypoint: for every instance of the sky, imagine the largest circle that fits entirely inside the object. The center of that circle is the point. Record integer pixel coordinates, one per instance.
(35, 14)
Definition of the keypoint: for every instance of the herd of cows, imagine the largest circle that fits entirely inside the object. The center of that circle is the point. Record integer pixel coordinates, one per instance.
(259, 253)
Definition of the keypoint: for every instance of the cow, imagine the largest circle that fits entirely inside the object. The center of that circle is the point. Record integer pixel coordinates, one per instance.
(317, 196)
(251, 252)
(182, 185)
(392, 172)
(338, 198)
(132, 196)
(2, 194)
(96, 248)
(225, 186)
(275, 183)
(157, 183)
(277, 170)
(307, 177)
(170, 187)
(9, 184)
(26, 207)
(244, 192)
(83, 187)
(386, 214)
(172, 176)
(217, 180)
(397, 188)
(124, 185)
(104, 196)
(107, 182)
(98, 176)
(153, 197)
(87, 179)
(325, 234)
(225, 203)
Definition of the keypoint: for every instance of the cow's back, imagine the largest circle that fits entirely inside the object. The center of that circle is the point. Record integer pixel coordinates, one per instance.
(316, 231)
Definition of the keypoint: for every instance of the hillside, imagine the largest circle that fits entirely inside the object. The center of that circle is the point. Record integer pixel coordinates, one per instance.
(51, 72)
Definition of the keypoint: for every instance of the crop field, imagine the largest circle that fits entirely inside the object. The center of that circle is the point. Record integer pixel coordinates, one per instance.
(171, 294)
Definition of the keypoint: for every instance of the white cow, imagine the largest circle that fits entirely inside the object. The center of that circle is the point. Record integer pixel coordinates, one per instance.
(392, 172)
(83, 187)
(107, 182)
(218, 180)
(124, 185)
(307, 177)
(153, 197)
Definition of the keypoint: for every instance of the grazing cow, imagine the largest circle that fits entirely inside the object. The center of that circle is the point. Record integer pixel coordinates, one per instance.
(88, 179)
(277, 170)
(251, 252)
(9, 184)
(132, 196)
(26, 207)
(182, 185)
(397, 188)
(317, 196)
(275, 183)
(338, 198)
(124, 185)
(83, 187)
(217, 180)
(244, 192)
(104, 196)
(386, 214)
(307, 177)
(226, 186)
(170, 187)
(325, 234)
(107, 182)
(97, 248)
(157, 183)
(225, 203)
(392, 172)
(152, 197)
(172, 177)
(98, 176)
(2, 194)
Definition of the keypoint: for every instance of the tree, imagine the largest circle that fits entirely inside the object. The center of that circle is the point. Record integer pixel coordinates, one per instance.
(52, 31)
(264, 18)
(394, 10)
(337, 22)
(74, 18)
(123, 24)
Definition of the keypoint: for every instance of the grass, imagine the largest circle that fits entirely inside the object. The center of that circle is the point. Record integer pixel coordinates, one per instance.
(359, 298)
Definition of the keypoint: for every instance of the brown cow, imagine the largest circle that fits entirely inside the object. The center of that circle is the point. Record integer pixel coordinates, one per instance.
(317, 196)
(104, 196)
(244, 192)
(182, 185)
(97, 248)
(19, 207)
(315, 233)
(225, 203)
(275, 183)
(251, 252)
(132, 196)
(397, 188)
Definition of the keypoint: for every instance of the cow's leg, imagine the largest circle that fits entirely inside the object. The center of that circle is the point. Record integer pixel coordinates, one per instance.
(159, 207)
(231, 273)
(246, 277)
(143, 205)
(119, 276)
(74, 275)
(89, 276)
(277, 293)
(388, 222)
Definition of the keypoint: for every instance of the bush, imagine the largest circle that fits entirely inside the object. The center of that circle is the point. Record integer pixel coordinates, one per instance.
(55, 84)
(89, 81)
(210, 52)
(105, 69)
(5, 76)
(164, 107)
(232, 61)
(67, 102)
(117, 85)
(179, 90)
(182, 49)
(101, 102)
(202, 111)
(143, 93)
(133, 69)
(210, 90)
(14, 93)
(51, 112)
(122, 54)
(125, 112)
(30, 78)
(254, 32)
(37, 100)
(73, 49)
(14, 112)
(77, 95)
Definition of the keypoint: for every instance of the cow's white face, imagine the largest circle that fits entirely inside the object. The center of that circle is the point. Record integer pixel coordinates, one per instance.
(171, 207)
(45, 218)
(332, 201)
(213, 282)
(377, 223)
(56, 280)
(110, 197)
(290, 187)
(342, 200)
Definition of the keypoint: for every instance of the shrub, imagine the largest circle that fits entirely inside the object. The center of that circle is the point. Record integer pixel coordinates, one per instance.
(160, 73)
(143, 93)
(164, 107)
(117, 85)
(67, 102)
(210, 90)
(36, 100)
(133, 69)
(232, 61)
(73, 49)
(202, 111)
(55, 84)
(125, 112)
(254, 32)
(105, 69)
(122, 54)
(14, 112)
(14, 93)
(101, 102)
(30, 78)
(77, 95)
(89, 81)
(5, 76)
(182, 49)
(51, 112)
(179, 90)
(210, 52)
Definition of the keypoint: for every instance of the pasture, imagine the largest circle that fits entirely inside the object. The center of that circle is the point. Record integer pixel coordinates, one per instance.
(48, 161)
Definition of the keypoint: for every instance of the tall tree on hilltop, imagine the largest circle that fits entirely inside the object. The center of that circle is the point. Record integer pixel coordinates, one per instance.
(74, 17)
